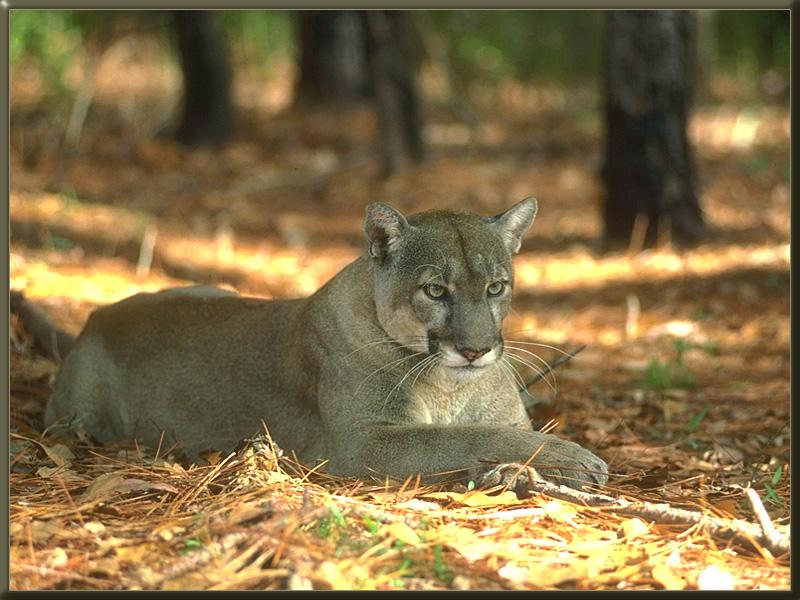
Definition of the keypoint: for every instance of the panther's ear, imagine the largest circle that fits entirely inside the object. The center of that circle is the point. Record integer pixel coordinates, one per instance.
(384, 227)
(513, 223)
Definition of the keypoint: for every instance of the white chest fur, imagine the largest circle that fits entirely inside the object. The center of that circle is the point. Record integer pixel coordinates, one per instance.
(440, 399)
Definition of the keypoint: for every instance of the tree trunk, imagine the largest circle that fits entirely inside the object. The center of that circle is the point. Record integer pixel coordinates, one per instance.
(207, 116)
(648, 171)
(333, 58)
(394, 79)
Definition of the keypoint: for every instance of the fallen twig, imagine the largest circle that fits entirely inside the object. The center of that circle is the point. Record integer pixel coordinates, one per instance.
(775, 542)
(767, 528)
(58, 575)
(556, 363)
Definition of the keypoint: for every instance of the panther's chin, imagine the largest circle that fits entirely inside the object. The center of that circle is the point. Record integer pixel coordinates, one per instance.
(468, 371)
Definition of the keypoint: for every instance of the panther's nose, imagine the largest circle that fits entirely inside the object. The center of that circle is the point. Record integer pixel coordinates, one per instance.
(471, 354)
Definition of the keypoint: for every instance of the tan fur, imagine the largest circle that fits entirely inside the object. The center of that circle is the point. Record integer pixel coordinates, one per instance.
(204, 366)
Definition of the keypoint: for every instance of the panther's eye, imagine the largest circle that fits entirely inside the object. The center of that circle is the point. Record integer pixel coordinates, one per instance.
(496, 288)
(434, 290)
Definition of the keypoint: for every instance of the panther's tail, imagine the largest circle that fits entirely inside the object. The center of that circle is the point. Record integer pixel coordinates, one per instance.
(53, 342)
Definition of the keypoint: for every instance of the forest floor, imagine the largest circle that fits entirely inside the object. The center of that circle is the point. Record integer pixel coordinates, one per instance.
(683, 387)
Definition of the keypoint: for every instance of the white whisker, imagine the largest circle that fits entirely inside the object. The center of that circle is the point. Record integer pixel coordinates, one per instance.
(564, 352)
(388, 340)
(431, 364)
(543, 373)
(509, 370)
(533, 367)
(387, 366)
(419, 365)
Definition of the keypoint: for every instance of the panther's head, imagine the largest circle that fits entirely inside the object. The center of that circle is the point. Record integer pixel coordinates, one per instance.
(443, 280)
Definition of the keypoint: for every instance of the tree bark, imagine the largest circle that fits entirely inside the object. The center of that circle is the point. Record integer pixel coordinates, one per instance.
(207, 116)
(648, 172)
(333, 57)
(393, 76)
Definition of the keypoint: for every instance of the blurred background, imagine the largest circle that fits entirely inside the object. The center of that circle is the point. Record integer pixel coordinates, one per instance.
(240, 148)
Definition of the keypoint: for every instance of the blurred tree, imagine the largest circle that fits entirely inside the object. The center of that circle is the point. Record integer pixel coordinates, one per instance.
(332, 59)
(648, 171)
(207, 116)
(392, 67)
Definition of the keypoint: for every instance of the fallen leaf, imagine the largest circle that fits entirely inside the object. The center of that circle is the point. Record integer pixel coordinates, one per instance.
(417, 504)
(560, 511)
(61, 472)
(298, 582)
(476, 549)
(509, 515)
(139, 485)
(212, 457)
(277, 477)
(665, 576)
(404, 533)
(714, 578)
(549, 575)
(480, 499)
(466, 542)
(590, 548)
(94, 527)
(105, 485)
(513, 572)
(632, 528)
(59, 454)
(476, 499)
(135, 553)
(42, 531)
(169, 532)
(58, 558)
(15, 447)
(727, 506)
(330, 573)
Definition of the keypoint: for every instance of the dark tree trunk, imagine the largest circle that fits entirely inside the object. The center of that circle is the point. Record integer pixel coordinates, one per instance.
(207, 116)
(333, 58)
(648, 171)
(394, 79)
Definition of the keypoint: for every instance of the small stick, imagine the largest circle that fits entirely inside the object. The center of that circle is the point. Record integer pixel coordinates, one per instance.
(664, 513)
(557, 362)
(58, 575)
(764, 520)
(146, 251)
(638, 233)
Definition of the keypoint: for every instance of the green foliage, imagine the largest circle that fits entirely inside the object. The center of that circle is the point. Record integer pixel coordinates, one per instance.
(776, 476)
(260, 37)
(691, 426)
(769, 484)
(190, 545)
(337, 515)
(701, 313)
(564, 46)
(51, 37)
(666, 375)
(558, 45)
(61, 243)
(324, 527)
(695, 421)
(751, 41)
(440, 569)
(371, 525)
(673, 373)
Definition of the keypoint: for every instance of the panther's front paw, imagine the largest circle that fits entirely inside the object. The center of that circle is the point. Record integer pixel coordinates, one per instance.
(567, 463)
(517, 477)
(559, 461)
